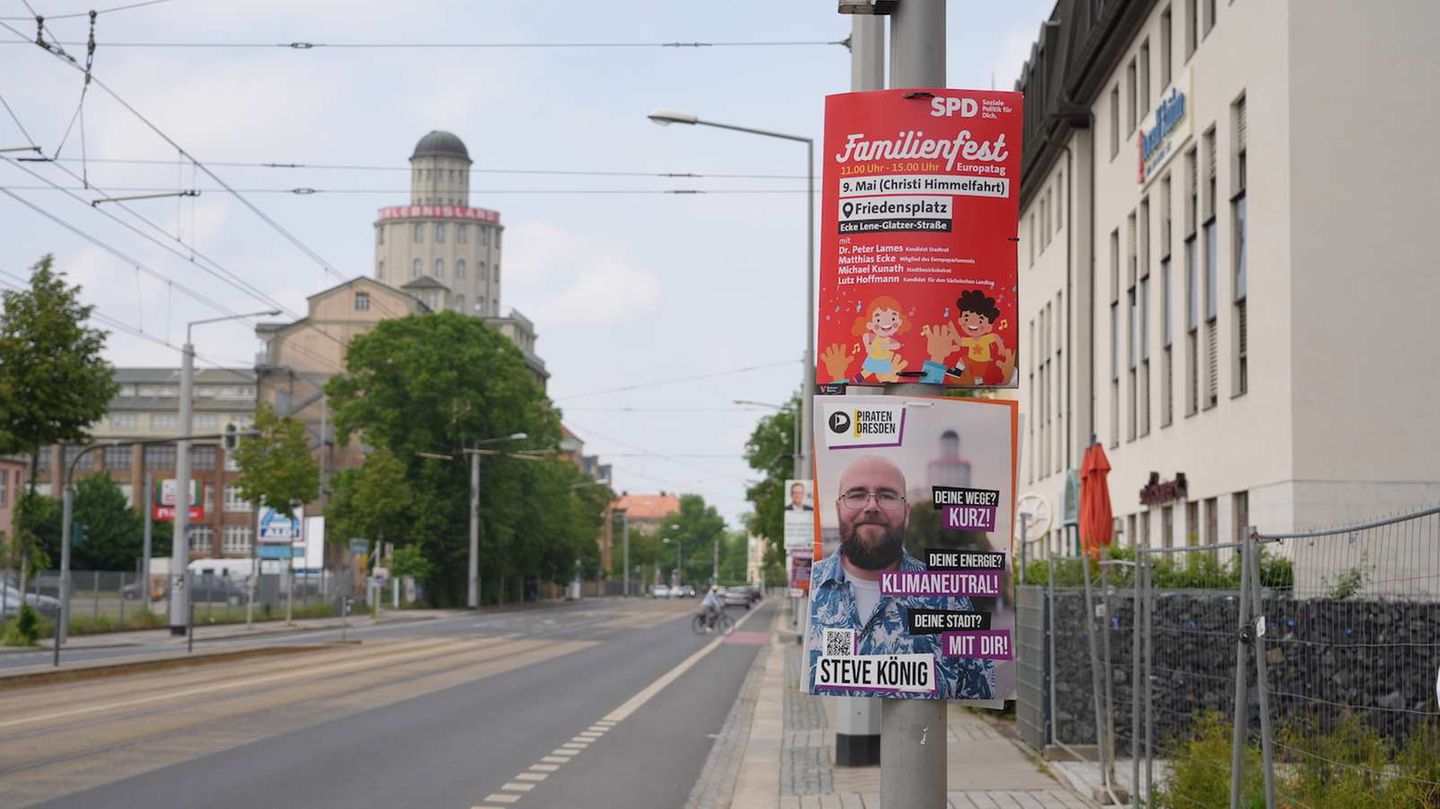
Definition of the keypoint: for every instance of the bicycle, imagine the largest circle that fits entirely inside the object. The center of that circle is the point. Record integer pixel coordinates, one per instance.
(723, 624)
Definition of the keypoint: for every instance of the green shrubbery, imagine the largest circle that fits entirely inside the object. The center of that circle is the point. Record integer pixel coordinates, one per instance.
(1342, 766)
(1193, 571)
(24, 629)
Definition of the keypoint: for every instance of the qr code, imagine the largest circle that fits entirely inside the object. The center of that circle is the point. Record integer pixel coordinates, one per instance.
(839, 642)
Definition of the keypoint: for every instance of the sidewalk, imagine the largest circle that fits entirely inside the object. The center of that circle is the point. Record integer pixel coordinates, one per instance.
(788, 759)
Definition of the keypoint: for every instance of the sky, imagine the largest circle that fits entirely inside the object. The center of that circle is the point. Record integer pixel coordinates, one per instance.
(628, 287)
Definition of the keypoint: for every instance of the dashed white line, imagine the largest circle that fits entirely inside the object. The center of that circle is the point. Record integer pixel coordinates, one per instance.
(545, 767)
(500, 797)
(518, 787)
(532, 776)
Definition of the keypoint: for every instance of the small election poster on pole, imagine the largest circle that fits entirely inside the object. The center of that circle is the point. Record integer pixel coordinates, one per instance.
(919, 205)
(167, 494)
(911, 594)
(800, 564)
(799, 514)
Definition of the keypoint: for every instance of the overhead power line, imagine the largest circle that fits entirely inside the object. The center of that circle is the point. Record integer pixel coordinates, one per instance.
(125, 7)
(673, 175)
(306, 191)
(674, 380)
(306, 45)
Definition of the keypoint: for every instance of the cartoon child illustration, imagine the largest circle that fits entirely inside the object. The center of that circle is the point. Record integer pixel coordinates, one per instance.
(978, 314)
(984, 359)
(877, 329)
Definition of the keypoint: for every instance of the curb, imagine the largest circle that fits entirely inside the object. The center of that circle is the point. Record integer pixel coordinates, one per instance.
(81, 672)
(758, 786)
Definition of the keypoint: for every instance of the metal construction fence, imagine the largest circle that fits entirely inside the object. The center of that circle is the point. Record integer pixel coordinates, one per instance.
(1324, 644)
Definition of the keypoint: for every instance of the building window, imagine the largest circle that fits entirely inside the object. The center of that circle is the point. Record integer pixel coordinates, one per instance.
(1240, 502)
(462, 233)
(124, 421)
(163, 421)
(1059, 200)
(419, 232)
(1209, 16)
(380, 269)
(1192, 27)
(1192, 522)
(379, 234)
(432, 301)
(439, 232)
(1167, 317)
(233, 500)
(160, 456)
(484, 235)
(231, 463)
(1131, 87)
(1238, 213)
(1192, 290)
(4, 486)
(415, 268)
(439, 268)
(1114, 121)
(206, 421)
(1145, 75)
(202, 539)
(362, 301)
(1212, 275)
(72, 452)
(236, 539)
(460, 303)
(1144, 307)
(1167, 526)
(202, 459)
(459, 268)
(1212, 521)
(1032, 239)
(1166, 33)
(117, 458)
(480, 305)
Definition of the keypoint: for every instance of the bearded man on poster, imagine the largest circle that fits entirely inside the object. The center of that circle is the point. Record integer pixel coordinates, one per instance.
(845, 587)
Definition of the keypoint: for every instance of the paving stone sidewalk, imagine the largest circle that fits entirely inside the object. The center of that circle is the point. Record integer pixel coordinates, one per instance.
(788, 761)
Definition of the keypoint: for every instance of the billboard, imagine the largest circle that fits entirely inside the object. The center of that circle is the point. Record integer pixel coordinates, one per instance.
(275, 527)
(919, 206)
(911, 593)
(799, 514)
(166, 495)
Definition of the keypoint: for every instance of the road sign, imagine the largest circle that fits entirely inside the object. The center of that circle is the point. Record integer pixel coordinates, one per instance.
(275, 551)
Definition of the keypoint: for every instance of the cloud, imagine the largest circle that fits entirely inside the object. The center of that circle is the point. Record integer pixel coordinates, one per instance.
(561, 280)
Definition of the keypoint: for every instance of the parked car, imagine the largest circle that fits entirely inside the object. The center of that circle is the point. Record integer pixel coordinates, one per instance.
(217, 590)
(47, 606)
(659, 591)
(682, 591)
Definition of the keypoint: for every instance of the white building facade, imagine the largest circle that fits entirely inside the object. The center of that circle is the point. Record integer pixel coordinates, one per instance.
(1223, 270)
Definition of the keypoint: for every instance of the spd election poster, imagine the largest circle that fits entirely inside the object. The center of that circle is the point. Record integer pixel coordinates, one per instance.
(919, 206)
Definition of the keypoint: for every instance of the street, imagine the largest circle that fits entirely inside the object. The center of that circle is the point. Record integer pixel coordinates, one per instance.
(544, 707)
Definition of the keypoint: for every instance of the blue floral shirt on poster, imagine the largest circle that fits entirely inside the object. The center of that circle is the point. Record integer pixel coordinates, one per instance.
(832, 606)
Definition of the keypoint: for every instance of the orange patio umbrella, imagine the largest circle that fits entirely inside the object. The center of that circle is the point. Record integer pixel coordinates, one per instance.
(1097, 520)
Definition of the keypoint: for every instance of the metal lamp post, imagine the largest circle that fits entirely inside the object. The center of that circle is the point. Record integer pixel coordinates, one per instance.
(665, 117)
(180, 545)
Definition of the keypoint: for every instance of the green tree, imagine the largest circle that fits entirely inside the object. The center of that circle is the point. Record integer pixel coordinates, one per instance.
(372, 502)
(54, 383)
(112, 536)
(771, 452)
(440, 383)
(276, 468)
(694, 530)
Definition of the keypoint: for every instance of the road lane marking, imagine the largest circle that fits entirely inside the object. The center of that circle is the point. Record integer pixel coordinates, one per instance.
(633, 704)
(524, 782)
(358, 665)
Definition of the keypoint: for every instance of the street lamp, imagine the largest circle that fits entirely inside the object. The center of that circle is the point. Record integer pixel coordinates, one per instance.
(472, 593)
(665, 117)
(180, 545)
(678, 565)
(799, 470)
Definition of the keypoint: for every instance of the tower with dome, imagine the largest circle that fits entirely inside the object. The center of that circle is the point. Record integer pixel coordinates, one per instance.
(439, 248)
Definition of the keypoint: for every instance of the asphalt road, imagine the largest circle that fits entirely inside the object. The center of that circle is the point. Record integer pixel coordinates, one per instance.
(593, 704)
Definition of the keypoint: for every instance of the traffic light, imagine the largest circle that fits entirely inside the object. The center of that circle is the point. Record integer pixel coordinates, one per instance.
(77, 533)
(232, 437)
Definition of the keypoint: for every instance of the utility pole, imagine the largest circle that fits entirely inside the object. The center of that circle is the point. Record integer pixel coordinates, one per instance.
(63, 630)
(912, 731)
(857, 732)
(149, 536)
(715, 563)
(472, 597)
(180, 545)
(625, 531)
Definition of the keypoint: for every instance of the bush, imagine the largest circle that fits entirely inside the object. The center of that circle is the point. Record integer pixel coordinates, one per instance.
(1199, 773)
(23, 629)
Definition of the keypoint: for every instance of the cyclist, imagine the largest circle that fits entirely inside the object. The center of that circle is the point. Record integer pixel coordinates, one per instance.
(714, 604)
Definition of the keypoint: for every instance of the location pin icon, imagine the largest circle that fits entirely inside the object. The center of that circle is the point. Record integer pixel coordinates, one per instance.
(846, 209)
